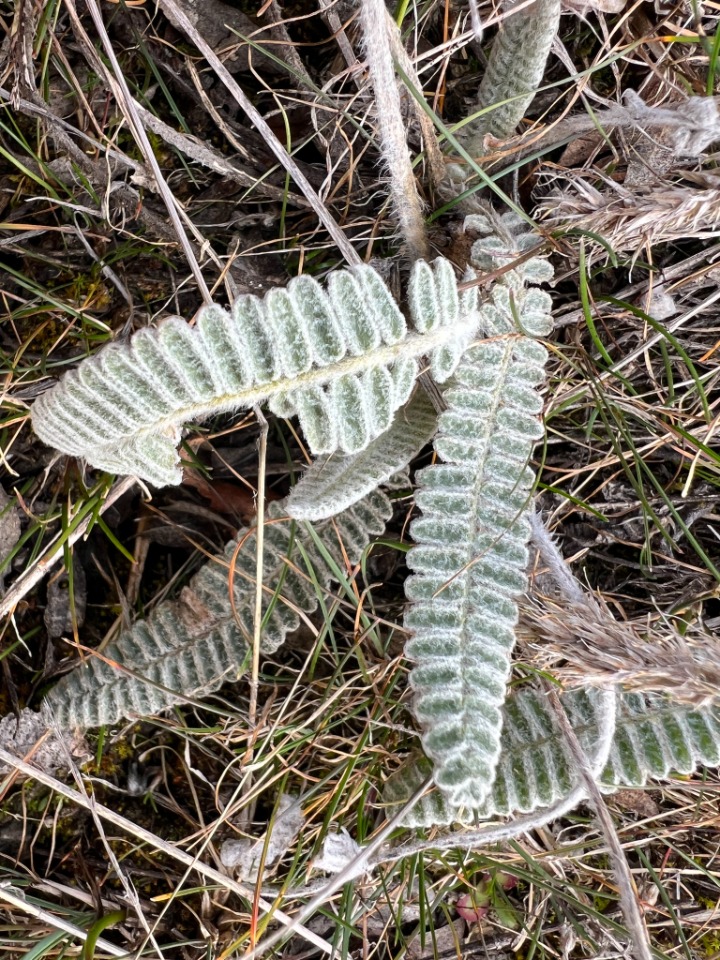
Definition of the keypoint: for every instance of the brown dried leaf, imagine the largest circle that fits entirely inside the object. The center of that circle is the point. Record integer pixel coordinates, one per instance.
(220, 25)
(636, 801)
(443, 942)
(581, 7)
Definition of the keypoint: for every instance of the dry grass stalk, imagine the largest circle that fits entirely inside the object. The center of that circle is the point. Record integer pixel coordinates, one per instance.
(629, 900)
(118, 84)
(632, 220)
(583, 644)
(180, 20)
(435, 161)
(171, 850)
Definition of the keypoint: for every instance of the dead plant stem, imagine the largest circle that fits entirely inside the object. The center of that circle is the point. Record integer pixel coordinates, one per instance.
(626, 885)
(259, 569)
(16, 897)
(393, 136)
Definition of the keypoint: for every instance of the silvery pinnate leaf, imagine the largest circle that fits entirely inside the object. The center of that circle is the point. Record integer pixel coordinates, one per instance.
(469, 561)
(190, 646)
(341, 359)
(653, 739)
(333, 482)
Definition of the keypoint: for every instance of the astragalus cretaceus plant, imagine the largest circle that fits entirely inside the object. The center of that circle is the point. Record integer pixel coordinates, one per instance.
(652, 737)
(470, 555)
(470, 558)
(344, 361)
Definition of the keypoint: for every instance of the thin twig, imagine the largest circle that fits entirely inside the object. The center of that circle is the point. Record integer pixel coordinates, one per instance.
(18, 899)
(259, 568)
(212, 159)
(333, 20)
(287, 47)
(626, 885)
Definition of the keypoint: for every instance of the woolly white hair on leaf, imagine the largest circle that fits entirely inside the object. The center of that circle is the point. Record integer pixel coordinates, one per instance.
(375, 24)
(341, 359)
(32, 734)
(335, 482)
(514, 72)
(338, 853)
(470, 558)
(245, 855)
(189, 647)
(649, 738)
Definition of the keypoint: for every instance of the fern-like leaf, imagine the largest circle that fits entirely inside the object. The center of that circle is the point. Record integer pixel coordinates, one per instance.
(514, 72)
(470, 558)
(189, 647)
(334, 482)
(342, 359)
(654, 737)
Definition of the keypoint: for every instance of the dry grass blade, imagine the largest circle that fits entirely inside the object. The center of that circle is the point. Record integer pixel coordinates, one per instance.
(18, 900)
(695, 266)
(54, 552)
(213, 159)
(259, 568)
